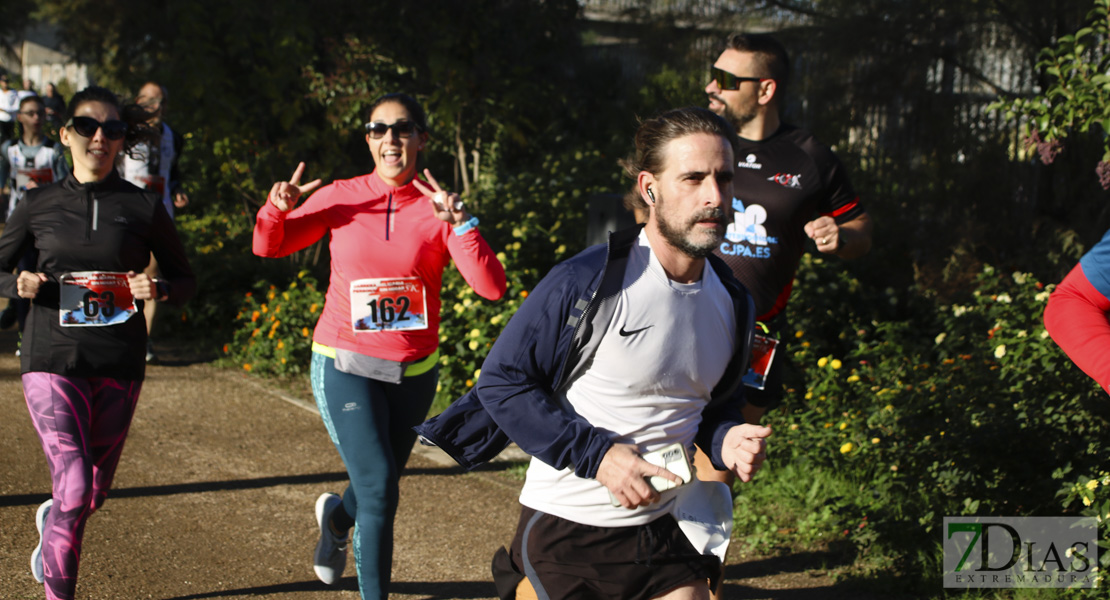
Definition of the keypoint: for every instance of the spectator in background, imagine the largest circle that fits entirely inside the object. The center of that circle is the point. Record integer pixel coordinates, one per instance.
(154, 167)
(55, 106)
(27, 91)
(27, 163)
(9, 105)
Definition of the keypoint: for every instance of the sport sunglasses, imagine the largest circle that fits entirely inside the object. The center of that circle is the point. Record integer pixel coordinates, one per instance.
(87, 126)
(728, 81)
(404, 129)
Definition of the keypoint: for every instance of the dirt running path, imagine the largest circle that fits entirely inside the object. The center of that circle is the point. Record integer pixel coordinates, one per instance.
(214, 499)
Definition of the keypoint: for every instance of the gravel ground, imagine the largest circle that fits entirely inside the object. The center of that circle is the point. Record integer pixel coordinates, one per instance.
(214, 498)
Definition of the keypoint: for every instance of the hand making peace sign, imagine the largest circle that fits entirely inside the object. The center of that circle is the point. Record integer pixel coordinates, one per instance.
(284, 194)
(447, 206)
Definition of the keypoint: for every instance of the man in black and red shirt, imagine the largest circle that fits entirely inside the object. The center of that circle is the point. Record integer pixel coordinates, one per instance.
(788, 187)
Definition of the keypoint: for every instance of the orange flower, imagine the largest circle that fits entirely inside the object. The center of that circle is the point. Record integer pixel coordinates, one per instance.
(246, 366)
(254, 316)
(225, 348)
(523, 293)
(304, 331)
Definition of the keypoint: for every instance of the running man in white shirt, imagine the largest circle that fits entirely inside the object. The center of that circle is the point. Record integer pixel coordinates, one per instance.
(623, 351)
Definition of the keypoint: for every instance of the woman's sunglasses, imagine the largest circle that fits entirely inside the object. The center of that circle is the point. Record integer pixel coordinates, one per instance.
(728, 81)
(403, 129)
(87, 126)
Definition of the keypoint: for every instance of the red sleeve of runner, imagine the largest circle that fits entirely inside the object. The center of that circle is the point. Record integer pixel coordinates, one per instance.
(843, 209)
(1076, 319)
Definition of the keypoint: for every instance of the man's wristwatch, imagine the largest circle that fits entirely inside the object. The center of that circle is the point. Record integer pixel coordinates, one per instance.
(161, 289)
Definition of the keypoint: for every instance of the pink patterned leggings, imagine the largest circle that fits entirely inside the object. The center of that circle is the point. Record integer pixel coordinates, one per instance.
(82, 423)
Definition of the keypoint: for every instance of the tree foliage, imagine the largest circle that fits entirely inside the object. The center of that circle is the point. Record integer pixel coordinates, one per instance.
(1076, 99)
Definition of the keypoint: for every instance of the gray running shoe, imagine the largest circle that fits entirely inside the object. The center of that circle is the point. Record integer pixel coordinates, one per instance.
(331, 551)
(36, 555)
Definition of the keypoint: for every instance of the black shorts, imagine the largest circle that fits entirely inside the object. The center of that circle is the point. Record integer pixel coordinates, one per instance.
(564, 560)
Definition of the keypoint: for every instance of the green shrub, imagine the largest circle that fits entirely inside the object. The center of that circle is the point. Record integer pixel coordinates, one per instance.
(953, 409)
(274, 327)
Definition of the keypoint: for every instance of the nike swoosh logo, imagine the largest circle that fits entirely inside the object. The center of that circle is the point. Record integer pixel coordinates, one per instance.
(634, 331)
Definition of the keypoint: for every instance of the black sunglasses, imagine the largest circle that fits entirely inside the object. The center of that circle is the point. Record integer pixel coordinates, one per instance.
(403, 129)
(87, 126)
(728, 81)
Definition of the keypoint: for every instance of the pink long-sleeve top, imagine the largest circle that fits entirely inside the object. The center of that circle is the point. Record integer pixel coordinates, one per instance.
(379, 232)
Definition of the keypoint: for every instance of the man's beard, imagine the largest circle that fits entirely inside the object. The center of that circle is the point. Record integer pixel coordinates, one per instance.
(680, 237)
(733, 114)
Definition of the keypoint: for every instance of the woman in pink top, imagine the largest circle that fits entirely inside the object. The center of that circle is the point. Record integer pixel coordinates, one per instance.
(375, 347)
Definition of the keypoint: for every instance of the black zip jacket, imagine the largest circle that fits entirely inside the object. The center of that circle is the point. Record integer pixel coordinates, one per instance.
(109, 226)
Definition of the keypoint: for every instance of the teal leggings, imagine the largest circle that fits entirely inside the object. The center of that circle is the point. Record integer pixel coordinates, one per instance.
(370, 422)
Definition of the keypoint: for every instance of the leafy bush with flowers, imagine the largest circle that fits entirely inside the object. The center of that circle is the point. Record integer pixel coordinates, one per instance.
(532, 221)
(274, 326)
(913, 409)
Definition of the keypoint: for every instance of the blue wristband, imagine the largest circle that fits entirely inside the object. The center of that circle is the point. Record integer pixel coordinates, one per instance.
(467, 226)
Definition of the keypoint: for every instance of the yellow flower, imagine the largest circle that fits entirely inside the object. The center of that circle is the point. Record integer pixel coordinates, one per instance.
(1086, 501)
(827, 425)
(853, 378)
(835, 364)
(888, 407)
(843, 426)
(285, 295)
(469, 383)
(847, 447)
(1000, 351)
(495, 319)
(875, 440)
(477, 372)
(264, 309)
(280, 345)
(1092, 484)
(809, 395)
(799, 334)
(313, 308)
(475, 333)
(821, 362)
(283, 360)
(473, 344)
(793, 427)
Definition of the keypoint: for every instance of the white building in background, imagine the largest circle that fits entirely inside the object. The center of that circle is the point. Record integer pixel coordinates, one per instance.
(38, 57)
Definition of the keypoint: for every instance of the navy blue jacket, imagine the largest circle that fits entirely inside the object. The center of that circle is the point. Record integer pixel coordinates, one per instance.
(547, 343)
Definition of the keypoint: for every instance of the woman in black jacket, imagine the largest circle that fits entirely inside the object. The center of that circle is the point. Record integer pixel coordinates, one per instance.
(83, 350)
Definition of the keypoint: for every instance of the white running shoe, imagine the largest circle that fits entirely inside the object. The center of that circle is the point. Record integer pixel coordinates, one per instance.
(36, 555)
(331, 551)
